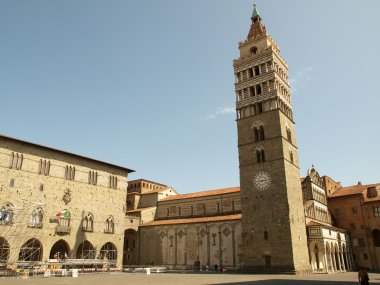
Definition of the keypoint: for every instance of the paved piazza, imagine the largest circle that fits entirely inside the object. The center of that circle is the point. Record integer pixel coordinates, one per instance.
(194, 279)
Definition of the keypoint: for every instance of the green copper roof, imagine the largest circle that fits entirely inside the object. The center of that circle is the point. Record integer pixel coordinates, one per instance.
(255, 13)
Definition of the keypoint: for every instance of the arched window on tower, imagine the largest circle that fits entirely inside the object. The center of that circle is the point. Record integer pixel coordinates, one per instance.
(257, 70)
(288, 134)
(258, 89)
(259, 133)
(266, 235)
(291, 156)
(260, 155)
(253, 50)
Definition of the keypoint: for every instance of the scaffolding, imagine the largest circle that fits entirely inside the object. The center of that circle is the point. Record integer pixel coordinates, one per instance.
(20, 247)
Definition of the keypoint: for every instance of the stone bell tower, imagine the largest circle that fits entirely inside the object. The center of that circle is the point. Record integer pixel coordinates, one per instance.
(273, 223)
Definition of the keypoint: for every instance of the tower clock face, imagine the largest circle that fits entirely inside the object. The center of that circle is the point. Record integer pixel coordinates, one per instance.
(261, 181)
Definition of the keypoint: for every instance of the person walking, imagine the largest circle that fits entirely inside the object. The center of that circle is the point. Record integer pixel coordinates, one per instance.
(363, 277)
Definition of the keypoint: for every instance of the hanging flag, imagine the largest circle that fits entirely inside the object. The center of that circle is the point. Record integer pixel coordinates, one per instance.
(63, 214)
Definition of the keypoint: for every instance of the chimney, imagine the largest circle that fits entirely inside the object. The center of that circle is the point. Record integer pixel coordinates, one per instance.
(359, 183)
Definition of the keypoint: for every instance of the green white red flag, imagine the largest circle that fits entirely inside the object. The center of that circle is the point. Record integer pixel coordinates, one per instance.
(63, 214)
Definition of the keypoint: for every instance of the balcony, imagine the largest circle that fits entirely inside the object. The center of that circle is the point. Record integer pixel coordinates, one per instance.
(62, 230)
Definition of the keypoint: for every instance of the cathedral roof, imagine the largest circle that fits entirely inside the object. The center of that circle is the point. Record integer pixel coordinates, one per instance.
(203, 194)
(193, 220)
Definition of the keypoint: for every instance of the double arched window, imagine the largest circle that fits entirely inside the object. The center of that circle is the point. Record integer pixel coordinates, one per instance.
(36, 218)
(259, 133)
(88, 223)
(110, 225)
(6, 214)
(260, 155)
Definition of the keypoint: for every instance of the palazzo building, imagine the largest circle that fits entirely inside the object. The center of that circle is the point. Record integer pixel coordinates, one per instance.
(55, 204)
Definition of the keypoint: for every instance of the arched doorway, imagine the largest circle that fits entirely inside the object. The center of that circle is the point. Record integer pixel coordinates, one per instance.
(85, 250)
(130, 247)
(108, 252)
(31, 251)
(59, 249)
(4, 250)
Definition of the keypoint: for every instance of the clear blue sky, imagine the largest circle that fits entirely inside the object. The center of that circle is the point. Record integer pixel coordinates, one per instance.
(149, 84)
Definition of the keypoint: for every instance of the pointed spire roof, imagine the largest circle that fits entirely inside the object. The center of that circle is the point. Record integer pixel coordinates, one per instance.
(255, 14)
(257, 29)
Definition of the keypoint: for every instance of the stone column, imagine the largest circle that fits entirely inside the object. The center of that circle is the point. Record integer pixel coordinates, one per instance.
(333, 263)
(208, 245)
(175, 247)
(198, 244)
(185, 249)
(343, 266)
(233, 247)
(325, 265)
(220, 247)
(338, 259)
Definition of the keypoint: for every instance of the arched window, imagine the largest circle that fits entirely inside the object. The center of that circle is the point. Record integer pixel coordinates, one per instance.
(291, 156)
(376, 238)
(266, 236)
(36, 217)
(288, 134)
(110, 226)
(258, 89)
(257, 70)
(253, 50)
(260, 155)
(259, 133)
(88, 223)
(6, 214)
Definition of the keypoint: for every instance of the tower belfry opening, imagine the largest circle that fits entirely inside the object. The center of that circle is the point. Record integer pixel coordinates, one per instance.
(269, 171)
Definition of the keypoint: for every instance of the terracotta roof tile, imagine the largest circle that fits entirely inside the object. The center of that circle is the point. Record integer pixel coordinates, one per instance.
(352, 190)
(203, 194)
(193, 220)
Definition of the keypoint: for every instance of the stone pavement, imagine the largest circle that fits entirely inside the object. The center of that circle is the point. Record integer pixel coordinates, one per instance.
(193, 279)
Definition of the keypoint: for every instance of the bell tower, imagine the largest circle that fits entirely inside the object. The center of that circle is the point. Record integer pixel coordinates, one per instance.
(273, 222)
